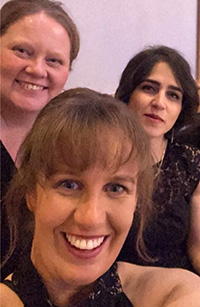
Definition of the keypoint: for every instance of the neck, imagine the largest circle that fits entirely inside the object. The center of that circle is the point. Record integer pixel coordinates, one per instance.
(62, 291)
(158, 146)
(64, 295)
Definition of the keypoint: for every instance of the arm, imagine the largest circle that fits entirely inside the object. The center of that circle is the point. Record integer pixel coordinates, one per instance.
(185, 293)
(159, 287)
(9, 298)
(194, 234)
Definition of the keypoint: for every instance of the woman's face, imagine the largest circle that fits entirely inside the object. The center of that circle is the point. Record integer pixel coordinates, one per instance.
(81, 222)
(157, 101)
(34, 62)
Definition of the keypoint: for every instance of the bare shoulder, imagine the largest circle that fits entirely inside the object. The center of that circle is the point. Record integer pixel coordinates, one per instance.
(8, 297)
(159, 287)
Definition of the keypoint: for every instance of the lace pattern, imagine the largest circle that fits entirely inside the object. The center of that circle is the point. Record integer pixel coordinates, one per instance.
(30, 288)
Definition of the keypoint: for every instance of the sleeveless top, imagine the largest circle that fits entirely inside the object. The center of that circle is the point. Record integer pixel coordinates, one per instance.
(28, 285)
(166, 234)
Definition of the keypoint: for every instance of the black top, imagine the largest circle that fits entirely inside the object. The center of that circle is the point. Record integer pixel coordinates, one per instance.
(191, 134)
(7, 169)
(166, 235)
(28, 285)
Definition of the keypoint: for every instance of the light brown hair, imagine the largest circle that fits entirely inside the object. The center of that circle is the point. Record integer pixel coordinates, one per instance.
(78, 129)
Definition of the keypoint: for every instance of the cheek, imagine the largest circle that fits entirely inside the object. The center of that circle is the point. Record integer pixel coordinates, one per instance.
(50, 219)
(136, 103)
(175, 113)
(53, 211)
(9, 67)
(58, 81)
(123, 218)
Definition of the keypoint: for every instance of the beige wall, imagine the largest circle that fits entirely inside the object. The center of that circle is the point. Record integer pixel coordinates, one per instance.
(112, 31)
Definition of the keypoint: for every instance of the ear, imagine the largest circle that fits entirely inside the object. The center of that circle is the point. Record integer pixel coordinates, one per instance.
(31, 201)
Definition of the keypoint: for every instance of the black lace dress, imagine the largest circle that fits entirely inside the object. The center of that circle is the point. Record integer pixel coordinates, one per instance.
(107, 292)
(166, 234)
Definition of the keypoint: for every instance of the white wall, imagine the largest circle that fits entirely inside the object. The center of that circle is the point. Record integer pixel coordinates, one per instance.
(112, 31)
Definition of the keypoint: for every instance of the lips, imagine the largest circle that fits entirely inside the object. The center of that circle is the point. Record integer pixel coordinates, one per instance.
(31, 86)
(83, 243)
(154, 116)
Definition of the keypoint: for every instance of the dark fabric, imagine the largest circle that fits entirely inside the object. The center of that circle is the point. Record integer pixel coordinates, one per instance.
(7, 170)
(191, 134)
(30, 288)
(166, 234)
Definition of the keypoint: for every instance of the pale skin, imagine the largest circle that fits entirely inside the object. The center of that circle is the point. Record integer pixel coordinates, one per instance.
(157, 102)
(34, 69)
(86, 206)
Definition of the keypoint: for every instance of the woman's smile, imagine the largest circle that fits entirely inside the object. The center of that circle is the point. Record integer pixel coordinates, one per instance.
(85, 247)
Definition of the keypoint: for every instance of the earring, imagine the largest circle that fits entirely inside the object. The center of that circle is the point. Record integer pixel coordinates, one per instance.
(172, 136)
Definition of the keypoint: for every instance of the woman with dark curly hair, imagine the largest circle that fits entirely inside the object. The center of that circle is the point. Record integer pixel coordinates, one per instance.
(157, 85)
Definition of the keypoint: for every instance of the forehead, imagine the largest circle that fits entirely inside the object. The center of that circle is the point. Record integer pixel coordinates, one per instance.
(39, 23)
(161, 71)
(81, 150)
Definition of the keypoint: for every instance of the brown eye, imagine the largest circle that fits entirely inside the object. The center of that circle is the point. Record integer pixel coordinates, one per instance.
(148, 88)
(174, 96)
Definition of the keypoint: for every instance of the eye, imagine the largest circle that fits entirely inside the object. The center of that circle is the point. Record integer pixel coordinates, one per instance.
(148, 88)
(54, 62)
(115, 189)
(174, 96)
(68, 186)
(21, 52)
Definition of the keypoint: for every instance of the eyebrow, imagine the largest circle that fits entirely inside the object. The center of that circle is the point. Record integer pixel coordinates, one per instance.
(172, 87)
(126, 178)
(30, 44)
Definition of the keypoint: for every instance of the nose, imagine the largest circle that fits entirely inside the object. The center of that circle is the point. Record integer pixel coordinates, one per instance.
(37, 68)
(159, 101)
(90, 213)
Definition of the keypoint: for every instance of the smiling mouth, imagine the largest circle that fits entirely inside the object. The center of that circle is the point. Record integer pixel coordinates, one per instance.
(84, 244)
(31, 86)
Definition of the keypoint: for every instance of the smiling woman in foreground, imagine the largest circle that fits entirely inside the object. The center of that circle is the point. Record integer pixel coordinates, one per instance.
(84, 168)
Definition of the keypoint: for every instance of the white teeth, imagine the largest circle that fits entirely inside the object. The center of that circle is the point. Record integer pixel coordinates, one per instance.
(30, 86)
(84, 244)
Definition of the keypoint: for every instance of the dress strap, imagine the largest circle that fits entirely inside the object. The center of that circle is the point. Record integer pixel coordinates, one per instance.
(9, 284)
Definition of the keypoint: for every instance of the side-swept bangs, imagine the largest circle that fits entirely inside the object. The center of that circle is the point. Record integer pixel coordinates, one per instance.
(78, 131)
